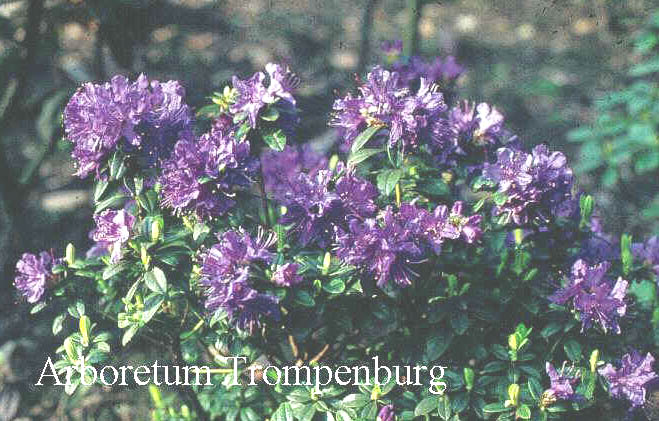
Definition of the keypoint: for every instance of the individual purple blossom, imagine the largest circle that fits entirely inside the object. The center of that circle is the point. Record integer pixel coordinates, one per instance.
(392, 47)
(203, 176)
(629, 380)
(315, 210)
(596, 299)
(225, 275)
(387, 248)
(382, 102)
(386, 413)
(561, 383)
(113, 230)
(35, 273)
(648, 253)
(287, 275)
(280, 169)
(535, 185)
(144, 117)
(253, 95)
(439, 70)
(442, 224)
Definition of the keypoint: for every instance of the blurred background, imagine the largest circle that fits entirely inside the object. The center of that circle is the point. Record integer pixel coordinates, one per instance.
(579, 75)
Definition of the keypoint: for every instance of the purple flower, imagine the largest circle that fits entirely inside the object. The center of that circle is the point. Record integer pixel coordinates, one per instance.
(146, 118)
(226, 272)
(629, 380)
(596, 299)
(382, 102)
(203, 176)
(34, 274)
(113, 230)
(253, 95)
(315, 210)
(440, 70)
(386, 413)
(392, 47)
(386, 248)
(280, 169)
(648, 252)
(287, 275)
(442, 224)
(534, 186)
(561, 383)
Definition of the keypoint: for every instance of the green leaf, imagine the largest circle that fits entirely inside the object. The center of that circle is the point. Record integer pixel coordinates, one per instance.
(363, 137)
(156, 280)
(283, 413)
(444, 408)
(58, 323)
(128, 335)
(362, 155)
(426, 406)
(355, 400)
(304, 298)
(524, 412)
(276, 139)
(435, 187)
(270, 114)
(387, 180)
(115, 269)
(335, 286)
(459, 322)
(248, 414)
(113, 201)
(437, 345)
(573, 350)
(493, 408)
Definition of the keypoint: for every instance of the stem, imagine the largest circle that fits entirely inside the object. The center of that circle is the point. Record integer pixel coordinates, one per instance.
(398, 194)
(411, 34)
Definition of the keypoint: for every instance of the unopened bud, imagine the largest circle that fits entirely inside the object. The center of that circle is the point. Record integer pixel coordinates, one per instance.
(155, 231)
(70, 254)
(512, 342)
(594, 358)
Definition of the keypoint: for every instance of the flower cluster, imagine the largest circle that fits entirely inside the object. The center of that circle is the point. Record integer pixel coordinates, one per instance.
(35, 273)
(113, 229)
(203, 175)
(630, 379)
(388, 247)
(382, 101)
(648, 253)
(253, 96)
(596, 299)
(225, 274)
(386, 413)
(280, 169)
(318, 206)
(439, 70)
(562, 383)
(143, 117)
(536, 185)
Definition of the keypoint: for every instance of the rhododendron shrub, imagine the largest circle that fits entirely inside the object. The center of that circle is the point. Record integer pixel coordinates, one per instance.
(427, 236)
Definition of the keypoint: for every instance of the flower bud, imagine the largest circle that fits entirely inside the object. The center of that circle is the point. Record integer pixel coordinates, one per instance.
(386, 413)
(594, 357)
(513, 395)
(70, 254)
(512, 342)
(155, 231)
(327, 260)
(469, 378)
